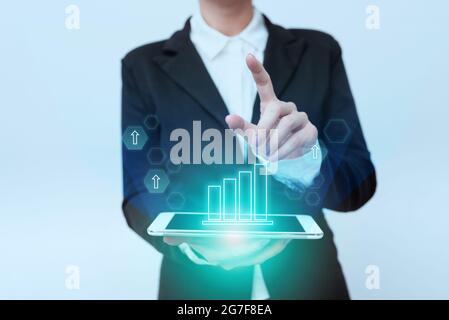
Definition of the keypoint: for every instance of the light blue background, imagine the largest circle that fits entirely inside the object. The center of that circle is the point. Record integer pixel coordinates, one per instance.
(60, 181)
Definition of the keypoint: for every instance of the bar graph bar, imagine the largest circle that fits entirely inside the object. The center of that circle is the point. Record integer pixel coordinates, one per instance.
(245, 195)
(241, 200)
(229, 199)
(260, 192)
(214, 202)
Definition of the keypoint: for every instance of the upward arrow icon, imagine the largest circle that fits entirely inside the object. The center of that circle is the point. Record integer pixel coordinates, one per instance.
(135, 135)
(315, 149)
(156, 181)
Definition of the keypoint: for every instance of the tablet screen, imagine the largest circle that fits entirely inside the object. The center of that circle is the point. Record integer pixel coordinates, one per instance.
(195, 222)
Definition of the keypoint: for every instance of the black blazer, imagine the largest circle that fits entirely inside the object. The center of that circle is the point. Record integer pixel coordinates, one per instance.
(166, 86)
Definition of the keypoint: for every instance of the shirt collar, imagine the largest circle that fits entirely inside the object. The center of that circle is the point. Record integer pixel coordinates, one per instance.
(211, 41)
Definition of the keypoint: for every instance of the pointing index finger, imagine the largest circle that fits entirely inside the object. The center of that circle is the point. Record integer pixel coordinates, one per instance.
(262, 79)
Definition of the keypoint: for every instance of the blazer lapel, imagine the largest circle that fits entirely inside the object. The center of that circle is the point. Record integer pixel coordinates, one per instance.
(282, 56)
(181, 62)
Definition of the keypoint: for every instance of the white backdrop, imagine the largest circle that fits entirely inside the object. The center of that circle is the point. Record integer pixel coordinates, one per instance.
(60, 182)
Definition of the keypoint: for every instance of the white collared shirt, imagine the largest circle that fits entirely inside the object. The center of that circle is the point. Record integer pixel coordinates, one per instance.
(224, 59)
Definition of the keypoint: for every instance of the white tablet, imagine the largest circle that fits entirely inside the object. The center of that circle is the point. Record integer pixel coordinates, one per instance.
(275, 226)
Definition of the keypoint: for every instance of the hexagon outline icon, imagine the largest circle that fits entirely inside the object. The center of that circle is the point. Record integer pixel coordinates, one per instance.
(336, 122)
(156, 181)
(134, 138)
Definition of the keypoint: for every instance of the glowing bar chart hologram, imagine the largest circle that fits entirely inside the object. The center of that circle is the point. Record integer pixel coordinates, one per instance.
(240, 200)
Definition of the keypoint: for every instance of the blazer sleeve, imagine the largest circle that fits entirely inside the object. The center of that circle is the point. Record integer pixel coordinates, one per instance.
(348, 173)
(139, 206)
